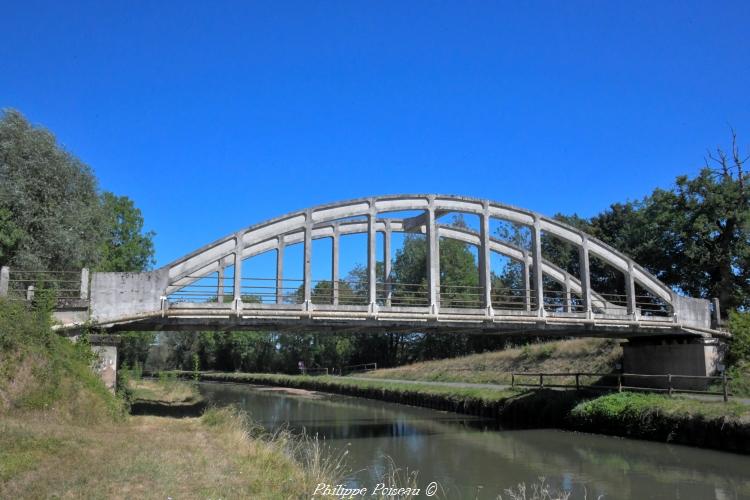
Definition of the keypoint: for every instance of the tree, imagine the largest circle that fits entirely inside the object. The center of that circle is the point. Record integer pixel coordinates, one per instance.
(124, 246)
(696, 236)
(50, 215)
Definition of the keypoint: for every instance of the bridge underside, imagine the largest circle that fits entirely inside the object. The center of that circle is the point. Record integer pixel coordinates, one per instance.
(364, 322)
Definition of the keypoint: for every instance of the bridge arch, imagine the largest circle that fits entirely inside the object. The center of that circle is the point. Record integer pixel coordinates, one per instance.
(360, 216)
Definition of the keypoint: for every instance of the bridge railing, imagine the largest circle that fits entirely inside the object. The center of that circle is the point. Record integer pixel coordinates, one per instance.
(508, 298)
(25, 284)
(667, 383)
(355, 292)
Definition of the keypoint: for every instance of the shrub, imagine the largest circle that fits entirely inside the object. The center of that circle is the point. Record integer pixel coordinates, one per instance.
(739, 325)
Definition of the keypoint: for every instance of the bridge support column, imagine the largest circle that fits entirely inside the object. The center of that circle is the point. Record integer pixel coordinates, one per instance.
(237, 287)
(280, 271)
(526, 281)
(307, 271)
(630, 291)
(372, 243)
(485, 272)
(433, 259)
(220, 284)
(585, 276)
(387, 263)
(105, 364)
(536, 252)
(681, 356)
(335, 266)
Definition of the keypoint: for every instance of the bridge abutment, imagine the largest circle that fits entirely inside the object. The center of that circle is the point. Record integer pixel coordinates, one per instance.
(699, 357)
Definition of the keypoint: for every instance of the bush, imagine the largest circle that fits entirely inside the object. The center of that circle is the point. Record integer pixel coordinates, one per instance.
(739, 350)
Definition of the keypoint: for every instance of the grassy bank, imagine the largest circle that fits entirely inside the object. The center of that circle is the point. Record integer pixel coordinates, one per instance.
(63, 434)
(578, 355)
(710, 424)
(147, 457)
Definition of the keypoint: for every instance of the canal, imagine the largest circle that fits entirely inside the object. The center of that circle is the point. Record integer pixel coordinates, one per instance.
(470, 458)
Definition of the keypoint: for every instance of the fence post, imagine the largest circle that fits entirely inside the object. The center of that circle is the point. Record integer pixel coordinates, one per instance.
(619, 382)
(4, 281)
(84, 283)
(30, 293)
(724, 386)
(669, 382)
(512, 380)
(578, 385)
(541, 380)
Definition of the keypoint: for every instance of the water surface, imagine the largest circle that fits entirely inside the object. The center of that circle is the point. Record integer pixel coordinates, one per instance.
(471, 458)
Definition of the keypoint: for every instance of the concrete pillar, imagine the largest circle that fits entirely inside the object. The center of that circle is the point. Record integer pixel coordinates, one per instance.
(237, 287)
(30, 293)
(682, 356)
(583, 256)
(335, 264)
(106, 365)
(485, 277)
(84, 284)
(536, 251)
(308, 259)
(4, 281)
(280, 270)
(220, 284)
(716, 320)
(387, 263)
(372, 244)
(630, 290)
(433, 258)
(568, 295)
(526, 281)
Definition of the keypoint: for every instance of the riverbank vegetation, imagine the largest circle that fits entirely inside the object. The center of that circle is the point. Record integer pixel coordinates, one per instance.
(62, 433)
(577, 355)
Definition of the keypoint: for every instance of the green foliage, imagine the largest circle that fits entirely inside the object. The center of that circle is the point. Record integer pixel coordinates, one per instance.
(196, 367)
(739, 325)
(694, 236)
(125, 247)
(51, 214)
(134, 347)
(61, 377)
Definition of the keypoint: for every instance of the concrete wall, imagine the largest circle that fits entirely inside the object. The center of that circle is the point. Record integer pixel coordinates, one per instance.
(121, 295)
(693, 312)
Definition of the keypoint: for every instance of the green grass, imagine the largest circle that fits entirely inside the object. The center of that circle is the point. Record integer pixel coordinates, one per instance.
(334, 384)
(172, 392)
(578, 355)
(628, 405)
(42, 371)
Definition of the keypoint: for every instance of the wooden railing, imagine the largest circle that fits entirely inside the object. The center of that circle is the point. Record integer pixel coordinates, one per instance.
(667, 379)
(364, 367)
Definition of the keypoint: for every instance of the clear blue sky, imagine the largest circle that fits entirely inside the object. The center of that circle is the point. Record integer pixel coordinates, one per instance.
(215, 115)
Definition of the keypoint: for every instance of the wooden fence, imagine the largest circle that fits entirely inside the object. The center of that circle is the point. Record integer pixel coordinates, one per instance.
(667, 380)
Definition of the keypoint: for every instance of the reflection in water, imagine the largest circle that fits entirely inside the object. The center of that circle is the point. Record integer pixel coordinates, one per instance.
(470, 458)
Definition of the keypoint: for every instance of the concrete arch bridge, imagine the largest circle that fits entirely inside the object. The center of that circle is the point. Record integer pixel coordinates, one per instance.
(208, 288)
